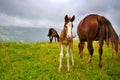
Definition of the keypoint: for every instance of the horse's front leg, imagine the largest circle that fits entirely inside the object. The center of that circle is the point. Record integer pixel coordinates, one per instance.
(100, 53)
(55, 39)
(67, 55)
(61, 56)
(50, 37)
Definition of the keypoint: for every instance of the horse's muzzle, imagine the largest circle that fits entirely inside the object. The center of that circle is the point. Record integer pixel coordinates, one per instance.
(70, 36)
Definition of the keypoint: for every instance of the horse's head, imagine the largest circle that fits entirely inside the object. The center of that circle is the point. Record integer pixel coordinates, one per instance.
(68, 26)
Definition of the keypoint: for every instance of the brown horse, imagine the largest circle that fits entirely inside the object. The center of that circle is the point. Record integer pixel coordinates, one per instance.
(66, 38)
(96, 27)
(53, 33)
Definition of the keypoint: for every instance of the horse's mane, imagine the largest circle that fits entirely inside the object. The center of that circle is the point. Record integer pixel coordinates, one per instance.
(111, 35)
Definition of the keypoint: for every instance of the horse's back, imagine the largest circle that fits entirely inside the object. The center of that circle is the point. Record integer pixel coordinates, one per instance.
(88, 27)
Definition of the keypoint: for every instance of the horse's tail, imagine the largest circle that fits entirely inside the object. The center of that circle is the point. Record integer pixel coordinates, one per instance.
(103, 23)
(110, 34)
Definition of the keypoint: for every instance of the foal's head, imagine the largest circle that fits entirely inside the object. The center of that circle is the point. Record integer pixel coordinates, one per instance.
(68, 25)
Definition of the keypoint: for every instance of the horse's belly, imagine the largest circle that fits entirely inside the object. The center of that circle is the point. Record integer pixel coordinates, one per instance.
(66, 42)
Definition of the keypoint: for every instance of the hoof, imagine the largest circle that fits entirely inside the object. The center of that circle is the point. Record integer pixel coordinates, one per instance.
(69, 69)
(89, 61)
(73, 63)
(59, 69)
(100, 65)
(81, 56)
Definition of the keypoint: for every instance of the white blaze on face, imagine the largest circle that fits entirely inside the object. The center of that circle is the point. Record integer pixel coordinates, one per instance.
(69, 27)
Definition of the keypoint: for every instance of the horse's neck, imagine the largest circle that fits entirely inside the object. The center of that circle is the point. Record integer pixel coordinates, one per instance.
(63, 37)
(63, 34)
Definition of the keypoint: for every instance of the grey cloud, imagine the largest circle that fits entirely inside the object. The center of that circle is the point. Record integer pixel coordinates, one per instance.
(47, 13)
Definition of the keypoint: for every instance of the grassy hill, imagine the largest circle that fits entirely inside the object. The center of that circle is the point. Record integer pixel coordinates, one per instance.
(40, 61)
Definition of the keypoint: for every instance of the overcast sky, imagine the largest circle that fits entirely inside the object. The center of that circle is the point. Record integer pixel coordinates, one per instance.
(50, 13)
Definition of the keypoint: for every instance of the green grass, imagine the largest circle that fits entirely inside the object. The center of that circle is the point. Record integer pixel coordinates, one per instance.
(40, 61)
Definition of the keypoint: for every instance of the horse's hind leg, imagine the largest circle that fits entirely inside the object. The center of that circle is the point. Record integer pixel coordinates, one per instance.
(91, 50)
(100, 53)
(81, 47)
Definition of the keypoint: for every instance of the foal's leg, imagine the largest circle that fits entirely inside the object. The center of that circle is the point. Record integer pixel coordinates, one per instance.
(81, 47)
(100, 53)
(61, 56)
(71, 50)
(67, 55)
(91, 50)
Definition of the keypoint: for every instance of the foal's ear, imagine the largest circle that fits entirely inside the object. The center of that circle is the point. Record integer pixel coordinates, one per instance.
(66, 17)
(73, 18)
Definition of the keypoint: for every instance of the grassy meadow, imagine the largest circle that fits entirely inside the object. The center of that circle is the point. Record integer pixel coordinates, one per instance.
(40, 61)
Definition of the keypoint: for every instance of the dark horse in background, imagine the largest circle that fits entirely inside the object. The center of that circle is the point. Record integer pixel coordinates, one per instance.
(53, 33)
(96, 28)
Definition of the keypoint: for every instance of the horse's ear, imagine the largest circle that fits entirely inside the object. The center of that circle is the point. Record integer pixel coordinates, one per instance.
(66, 17)
(73, 18)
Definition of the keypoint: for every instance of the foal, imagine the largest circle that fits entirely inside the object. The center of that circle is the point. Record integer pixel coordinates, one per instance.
(66, 38)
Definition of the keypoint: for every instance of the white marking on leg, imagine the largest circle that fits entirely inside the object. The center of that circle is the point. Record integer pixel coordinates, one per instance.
(61, 56)
(90, 59)
(67, 55)
(72, 56)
